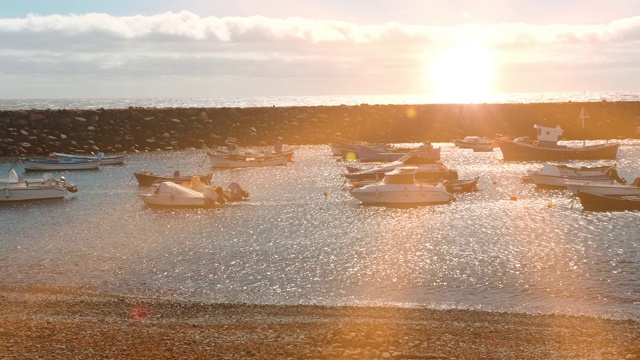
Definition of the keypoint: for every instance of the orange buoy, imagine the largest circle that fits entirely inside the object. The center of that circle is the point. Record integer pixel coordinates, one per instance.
(514, 198)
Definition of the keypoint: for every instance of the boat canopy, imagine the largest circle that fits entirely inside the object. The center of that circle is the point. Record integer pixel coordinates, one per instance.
(176, 190)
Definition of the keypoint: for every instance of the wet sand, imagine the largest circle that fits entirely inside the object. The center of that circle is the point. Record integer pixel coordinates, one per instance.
(51, 324)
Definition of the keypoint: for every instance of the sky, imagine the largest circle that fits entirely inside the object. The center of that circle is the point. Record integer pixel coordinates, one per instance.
(463, 50)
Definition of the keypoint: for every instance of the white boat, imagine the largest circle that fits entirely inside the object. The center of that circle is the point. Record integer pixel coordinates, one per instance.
(104, 159)
(233, 192)
(557, 175)
(220, 160)
(170, 194)
(604, 188)
(56, 164)
(17, 188)
(399, 187)
(477, 143)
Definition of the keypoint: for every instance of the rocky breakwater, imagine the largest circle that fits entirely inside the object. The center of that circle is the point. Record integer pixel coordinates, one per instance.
(40, 132)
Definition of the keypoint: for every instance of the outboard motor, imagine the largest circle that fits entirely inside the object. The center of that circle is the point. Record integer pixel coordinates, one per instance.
(237, 191)
(613, 173)
(212, 195)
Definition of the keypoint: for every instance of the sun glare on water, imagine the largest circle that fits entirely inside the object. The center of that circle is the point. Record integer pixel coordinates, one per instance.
(462, 75)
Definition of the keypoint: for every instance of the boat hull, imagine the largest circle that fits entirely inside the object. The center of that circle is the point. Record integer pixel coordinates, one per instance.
(148, 178)
(167, 202)
(21, 192)
(593, 202)
(232, 162)
(104, 159)
(514, 151)
(385, 194)
(560, 181)
(60, 165)
(602, 188)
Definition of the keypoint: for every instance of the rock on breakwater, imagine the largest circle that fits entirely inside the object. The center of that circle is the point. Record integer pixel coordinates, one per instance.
(39, 132)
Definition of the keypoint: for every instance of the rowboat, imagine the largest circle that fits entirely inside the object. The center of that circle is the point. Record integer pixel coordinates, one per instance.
(595, 202)
(603, 188)
(148, 178)
(477, 143)
(105, 159)
(228, 161)
(552, 175)
(56, 164)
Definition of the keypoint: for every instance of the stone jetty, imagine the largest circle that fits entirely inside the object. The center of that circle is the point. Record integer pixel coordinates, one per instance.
(40, 132)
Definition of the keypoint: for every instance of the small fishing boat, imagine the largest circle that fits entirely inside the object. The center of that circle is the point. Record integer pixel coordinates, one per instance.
(477, 143)
(56, 164)
(556, 176)
(547, 147)
(399, 187)
(148, 178)
(172, 195)
(595, 202)
(232, 161)
(105, 159)
(452, 186)
(390, 152)
(17, 188)
(603, 188)
(461, 185)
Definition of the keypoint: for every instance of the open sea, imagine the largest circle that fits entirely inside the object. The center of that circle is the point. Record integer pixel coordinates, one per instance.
(301, 239)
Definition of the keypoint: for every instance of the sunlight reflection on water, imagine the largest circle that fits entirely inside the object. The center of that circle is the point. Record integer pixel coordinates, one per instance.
(290, 243)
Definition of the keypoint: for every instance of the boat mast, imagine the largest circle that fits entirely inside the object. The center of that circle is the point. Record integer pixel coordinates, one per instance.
(583, 115)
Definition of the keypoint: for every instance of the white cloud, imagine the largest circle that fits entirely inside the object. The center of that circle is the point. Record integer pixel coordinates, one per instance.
(292, 55)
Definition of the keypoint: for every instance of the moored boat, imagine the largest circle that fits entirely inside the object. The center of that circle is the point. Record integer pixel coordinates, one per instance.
(17, 188)
(104, 159)
(595, 202)
(230, 161)
(399, 187)
(148, 178)
(477, 143)
(552, 175)
(603, 188)
(172, 195)
(427, 169)
(389, 152)
(56, 164)
(547, 147)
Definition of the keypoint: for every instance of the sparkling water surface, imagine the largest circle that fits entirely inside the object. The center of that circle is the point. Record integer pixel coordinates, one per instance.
(301, 239)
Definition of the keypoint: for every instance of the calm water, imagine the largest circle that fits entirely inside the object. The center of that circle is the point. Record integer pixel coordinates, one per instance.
(291, 244)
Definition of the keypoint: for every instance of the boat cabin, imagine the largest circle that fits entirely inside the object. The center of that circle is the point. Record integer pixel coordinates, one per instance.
(401, 175)
(548, 135)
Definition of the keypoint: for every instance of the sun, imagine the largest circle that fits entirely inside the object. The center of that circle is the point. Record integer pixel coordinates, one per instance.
(462, 75)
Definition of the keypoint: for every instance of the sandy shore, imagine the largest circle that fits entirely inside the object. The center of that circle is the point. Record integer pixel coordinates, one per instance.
(56, 325)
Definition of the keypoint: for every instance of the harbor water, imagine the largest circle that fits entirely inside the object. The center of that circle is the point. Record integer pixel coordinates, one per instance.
(301, 239)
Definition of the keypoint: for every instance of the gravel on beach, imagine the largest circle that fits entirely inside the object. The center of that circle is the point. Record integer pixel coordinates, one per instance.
(63, 325)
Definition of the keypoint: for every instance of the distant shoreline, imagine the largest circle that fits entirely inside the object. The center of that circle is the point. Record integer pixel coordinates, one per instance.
(60, 325)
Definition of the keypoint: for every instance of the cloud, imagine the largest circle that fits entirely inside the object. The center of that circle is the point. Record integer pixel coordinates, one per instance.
(295, 52)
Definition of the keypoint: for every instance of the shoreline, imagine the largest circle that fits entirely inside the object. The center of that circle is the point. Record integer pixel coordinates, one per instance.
(59, 324)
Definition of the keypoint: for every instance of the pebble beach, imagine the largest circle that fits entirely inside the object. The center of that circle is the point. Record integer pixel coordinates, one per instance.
(56, 324)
